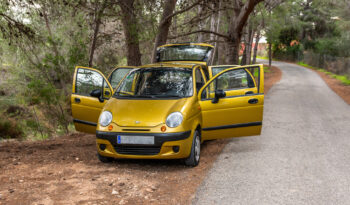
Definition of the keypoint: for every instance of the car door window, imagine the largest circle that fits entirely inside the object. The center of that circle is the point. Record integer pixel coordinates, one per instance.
(199, 79)
(216, 70)
(233, 82)
(88, 80)
(117, 76)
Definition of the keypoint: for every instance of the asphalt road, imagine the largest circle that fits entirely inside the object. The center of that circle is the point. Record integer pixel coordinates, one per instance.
(301, 157)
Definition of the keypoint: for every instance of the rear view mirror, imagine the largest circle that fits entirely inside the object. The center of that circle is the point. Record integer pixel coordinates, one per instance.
(97, 94)
(218, 94)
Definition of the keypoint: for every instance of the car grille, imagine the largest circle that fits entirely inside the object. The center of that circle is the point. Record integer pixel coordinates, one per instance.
(137, 150)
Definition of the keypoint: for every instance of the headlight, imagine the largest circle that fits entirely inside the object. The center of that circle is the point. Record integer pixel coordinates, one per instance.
(174, 119)
(105, 118)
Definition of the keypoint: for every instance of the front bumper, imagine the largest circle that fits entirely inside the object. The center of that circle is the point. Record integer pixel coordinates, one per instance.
(163, 147)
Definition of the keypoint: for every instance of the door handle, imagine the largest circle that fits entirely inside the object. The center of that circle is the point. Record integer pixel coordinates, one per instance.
(249, 92)
(77, 100)
(253, 101)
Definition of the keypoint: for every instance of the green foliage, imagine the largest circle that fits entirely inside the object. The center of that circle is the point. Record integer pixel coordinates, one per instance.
(267, 69)
(287, 35)
(317, 25)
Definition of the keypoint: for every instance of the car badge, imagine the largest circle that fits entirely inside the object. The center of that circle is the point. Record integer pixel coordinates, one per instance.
(137, 122)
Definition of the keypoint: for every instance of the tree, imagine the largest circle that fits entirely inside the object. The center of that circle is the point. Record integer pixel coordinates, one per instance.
(98, 11)
(165, 22)
(131, 32)
(238, 17)
(238, 20)
(164, 25)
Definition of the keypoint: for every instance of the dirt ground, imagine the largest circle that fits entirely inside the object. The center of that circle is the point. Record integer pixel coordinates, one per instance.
(271, 78)
(65, 170)
(342, 90)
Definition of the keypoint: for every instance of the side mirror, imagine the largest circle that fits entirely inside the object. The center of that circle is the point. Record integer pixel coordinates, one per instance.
(97, 94)
(218, 94)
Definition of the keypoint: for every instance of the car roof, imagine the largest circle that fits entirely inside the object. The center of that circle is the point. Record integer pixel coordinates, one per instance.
(170, 64)
(186, 43)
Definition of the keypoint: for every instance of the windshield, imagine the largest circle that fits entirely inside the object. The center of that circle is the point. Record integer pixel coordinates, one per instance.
(162, 82)
(184, 53)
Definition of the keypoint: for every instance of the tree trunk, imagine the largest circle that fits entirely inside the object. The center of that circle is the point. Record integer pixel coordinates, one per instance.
(251, 38)
(175, 25)
(98, 15)
(238, 20)
(164, 25)
(250, 45)
(232, 50)
(213, 26)
(255, 52)
(131, 32)
(217, 28)
(200, 24)
(58, 74)
(248, 42)
(244, 55)
(270, 54)
(246, 46)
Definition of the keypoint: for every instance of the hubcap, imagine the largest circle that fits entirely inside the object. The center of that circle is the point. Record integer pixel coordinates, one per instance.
(197, 148)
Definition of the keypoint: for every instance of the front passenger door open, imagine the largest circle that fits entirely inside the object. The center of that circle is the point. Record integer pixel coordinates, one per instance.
(232, 103)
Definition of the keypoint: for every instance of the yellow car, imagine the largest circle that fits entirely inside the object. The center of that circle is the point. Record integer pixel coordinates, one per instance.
(165, 110)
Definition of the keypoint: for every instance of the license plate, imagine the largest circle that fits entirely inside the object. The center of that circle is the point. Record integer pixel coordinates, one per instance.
(131, 139)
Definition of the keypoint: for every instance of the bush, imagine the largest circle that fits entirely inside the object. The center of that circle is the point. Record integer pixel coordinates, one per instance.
(9, 129)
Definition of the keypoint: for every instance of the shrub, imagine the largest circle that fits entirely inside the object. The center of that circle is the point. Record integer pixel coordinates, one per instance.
(9, 129)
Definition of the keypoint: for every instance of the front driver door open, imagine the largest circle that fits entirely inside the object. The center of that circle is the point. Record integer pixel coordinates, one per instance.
(232, 103)
(86, 108)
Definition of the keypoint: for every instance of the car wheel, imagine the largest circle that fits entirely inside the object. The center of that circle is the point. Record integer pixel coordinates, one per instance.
(193, 159)
(104, 159)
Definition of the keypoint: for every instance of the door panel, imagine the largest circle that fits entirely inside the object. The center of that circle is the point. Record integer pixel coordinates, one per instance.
(85, 108)
(240, 112)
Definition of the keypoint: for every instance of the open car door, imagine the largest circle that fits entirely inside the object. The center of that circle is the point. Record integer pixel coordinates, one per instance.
(90, 92)
(232, 103)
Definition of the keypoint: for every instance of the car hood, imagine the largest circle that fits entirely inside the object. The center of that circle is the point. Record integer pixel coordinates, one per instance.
(142, 113)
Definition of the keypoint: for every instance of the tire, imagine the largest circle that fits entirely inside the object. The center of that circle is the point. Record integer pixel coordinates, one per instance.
(104, 159)
(193, 159)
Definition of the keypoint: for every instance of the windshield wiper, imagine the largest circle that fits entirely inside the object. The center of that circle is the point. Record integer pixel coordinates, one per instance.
(168, 96)
(144, 96)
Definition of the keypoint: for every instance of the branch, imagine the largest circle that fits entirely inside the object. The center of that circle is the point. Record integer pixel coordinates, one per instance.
(180, 12)
(200, 31)
(20, 26)
(245, 12)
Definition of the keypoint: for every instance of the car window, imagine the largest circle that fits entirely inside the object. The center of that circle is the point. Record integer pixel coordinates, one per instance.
(216, 70)
(184, 53)
(234, 82)
(117, 76)
(236, 79)
(157, 82)
(199, 79)
(87, 81)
